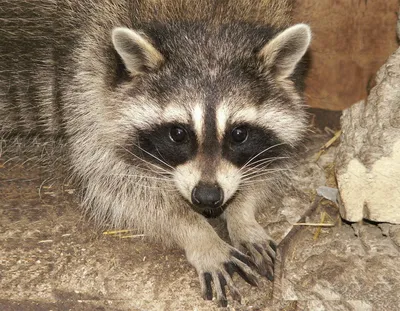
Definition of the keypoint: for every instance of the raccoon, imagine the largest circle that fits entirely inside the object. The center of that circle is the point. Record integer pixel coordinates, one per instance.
(173, 112)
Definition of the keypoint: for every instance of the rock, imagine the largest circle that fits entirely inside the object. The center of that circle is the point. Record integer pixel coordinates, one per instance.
(368, 157)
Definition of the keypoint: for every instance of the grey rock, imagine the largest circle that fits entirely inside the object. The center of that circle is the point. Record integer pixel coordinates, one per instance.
(328, 193)
(368, 157)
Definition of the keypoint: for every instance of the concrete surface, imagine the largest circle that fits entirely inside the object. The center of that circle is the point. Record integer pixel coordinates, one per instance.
(52, 258)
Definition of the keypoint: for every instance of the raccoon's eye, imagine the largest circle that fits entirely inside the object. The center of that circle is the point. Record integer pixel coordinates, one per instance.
(239, 134)
(177, 134)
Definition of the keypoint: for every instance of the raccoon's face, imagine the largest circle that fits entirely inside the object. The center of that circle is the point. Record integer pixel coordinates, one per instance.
(215, 110)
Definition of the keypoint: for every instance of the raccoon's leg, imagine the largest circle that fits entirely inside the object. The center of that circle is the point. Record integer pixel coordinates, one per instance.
(214, 260)
(248, 236)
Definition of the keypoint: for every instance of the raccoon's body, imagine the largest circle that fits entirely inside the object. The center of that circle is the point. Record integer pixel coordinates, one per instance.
(172, 112)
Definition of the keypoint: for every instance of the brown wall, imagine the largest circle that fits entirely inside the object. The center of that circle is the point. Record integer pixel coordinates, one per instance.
(352, 39)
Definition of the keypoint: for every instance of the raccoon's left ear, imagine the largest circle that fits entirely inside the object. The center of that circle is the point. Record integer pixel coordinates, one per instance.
(281, 55)
(137, 53)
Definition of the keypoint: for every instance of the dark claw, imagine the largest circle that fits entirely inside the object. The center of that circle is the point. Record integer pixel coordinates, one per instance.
(245, 259)
(231, 268)
(273, 245)
(208, 280)
(248, 278)
(246, 264)
(258, 248)
(222, 283)
(223, 302)
(270, 274)
(267, 266)
(266, 249)
(271, 255)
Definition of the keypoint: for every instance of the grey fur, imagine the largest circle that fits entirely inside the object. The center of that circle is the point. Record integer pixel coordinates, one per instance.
(62, 75)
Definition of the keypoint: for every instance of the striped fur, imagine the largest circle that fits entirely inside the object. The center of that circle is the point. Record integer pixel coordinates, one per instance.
(38, 36)
(68, 69)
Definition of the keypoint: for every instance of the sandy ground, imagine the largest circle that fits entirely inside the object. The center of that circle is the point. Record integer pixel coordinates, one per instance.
(53, 258)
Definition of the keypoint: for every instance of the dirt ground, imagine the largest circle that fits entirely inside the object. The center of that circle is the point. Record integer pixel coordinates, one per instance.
(53, 258)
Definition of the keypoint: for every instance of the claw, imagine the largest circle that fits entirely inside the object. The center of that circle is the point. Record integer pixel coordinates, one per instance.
(271, 251)
(207, 289)
(222, 283)
(270, 274)
(227, 280)
(219, 283)
(264, 257)
(245, 275)
(273, 245)
(258, 254)
(220, 275)
(244, 258)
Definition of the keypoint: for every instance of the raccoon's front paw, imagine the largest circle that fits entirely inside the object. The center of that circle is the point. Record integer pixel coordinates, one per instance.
(263, 253)
(217, 266)
(252, 239)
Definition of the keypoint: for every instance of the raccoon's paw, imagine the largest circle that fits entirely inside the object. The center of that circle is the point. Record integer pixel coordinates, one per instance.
(260, 247)
(263, 254)
(219, 268)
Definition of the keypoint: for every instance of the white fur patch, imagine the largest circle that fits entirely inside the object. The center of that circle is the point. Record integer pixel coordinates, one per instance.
(144, 114)
(288, 127)
(186, 177)
(246, 114)
(176, 113)
(228, 177)
(222, 119)
(198, 120)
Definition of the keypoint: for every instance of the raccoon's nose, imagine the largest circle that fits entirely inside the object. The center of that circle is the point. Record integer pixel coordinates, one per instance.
(206, 195)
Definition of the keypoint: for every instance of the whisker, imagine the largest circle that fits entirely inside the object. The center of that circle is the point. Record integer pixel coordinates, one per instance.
(262, 164)
(157, 158)
(172, 189)
(245, 186)
(141, 176)
(162, 172)
(249, 183)
(267, 159)
(263, 173)
(162, 157)
(147, 162)
(258, 154)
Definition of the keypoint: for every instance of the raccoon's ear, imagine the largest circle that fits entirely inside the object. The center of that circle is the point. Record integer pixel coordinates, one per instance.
(137, 53)
(281, 55)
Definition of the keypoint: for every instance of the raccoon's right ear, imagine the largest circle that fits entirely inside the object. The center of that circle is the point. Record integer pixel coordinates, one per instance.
(137, 53)
(281, 55)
